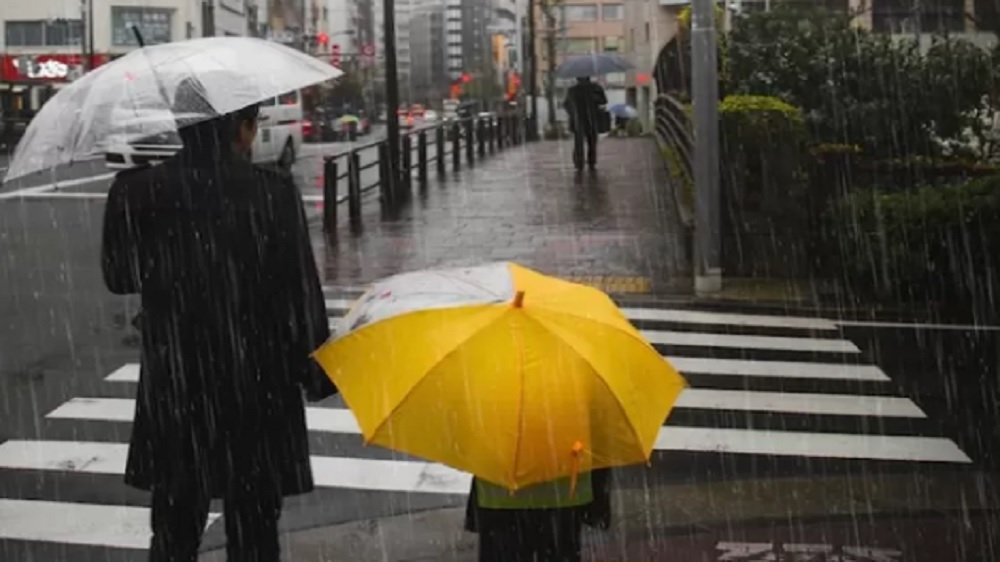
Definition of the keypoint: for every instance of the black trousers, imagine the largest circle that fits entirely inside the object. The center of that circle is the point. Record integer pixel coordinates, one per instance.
(551, 535)
(581, 138)
(250, 511)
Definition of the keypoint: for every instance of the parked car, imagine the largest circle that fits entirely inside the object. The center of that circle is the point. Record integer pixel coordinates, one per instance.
(279, 137)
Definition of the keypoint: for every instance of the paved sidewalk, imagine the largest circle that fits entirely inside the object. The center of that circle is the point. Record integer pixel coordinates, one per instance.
(615, 227)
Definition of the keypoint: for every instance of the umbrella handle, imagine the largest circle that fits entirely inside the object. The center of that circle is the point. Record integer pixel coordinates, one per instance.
(575, 476)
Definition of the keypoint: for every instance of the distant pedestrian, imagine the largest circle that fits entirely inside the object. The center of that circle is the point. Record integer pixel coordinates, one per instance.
(540, 523)
(583, 104)
(232, 307)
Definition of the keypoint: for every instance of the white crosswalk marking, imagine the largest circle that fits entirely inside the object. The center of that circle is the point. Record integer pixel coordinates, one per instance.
(759, 357)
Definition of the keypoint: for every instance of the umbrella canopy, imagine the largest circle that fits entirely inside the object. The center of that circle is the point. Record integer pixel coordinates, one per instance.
(595, 64)
(233, 72)
(623, 110)
(502, 372)
(344, 119)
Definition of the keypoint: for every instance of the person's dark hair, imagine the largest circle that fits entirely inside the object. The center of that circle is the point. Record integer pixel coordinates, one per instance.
(200, 125)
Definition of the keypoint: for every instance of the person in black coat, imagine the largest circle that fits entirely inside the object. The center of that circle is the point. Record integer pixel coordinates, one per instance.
(513, 535)
(232, 307)
(583, 104)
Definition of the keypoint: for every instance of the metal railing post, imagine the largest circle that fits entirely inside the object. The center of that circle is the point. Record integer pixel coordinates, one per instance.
(406, 170)
(422, 159)
(492, 124)
(330, 195)
(456, 146)
(470, 142)
(383, 172)
(354, 187)
(440, 143)
(481, 136)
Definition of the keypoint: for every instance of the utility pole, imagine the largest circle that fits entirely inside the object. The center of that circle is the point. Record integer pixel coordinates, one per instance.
(391, 100)
(533, 76)
(87, 7)
(705, 93)
(208, 18)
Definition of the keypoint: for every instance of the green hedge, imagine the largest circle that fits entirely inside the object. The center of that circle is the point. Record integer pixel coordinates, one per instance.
(937, 244)
(765, 203)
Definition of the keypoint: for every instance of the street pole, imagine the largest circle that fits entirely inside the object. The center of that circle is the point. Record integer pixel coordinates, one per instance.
(391, 99)
(705, 93)
(88, 39)
(532, 133)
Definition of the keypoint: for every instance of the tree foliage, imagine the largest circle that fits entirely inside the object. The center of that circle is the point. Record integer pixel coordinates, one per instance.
(857, 87)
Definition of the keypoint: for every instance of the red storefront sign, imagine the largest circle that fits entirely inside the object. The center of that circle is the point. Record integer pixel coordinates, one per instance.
(45, 68)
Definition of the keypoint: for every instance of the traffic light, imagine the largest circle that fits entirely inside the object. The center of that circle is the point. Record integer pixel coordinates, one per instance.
(323, 39)
(466, 78)
(335, 55)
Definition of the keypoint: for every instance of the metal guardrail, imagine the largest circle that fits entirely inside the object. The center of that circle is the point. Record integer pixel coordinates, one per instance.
(673, 129)
(476, 135)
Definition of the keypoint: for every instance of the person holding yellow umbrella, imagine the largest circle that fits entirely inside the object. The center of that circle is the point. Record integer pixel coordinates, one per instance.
(517, 378)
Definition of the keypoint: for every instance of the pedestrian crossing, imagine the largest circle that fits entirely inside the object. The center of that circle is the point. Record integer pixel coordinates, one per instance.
(762, 387)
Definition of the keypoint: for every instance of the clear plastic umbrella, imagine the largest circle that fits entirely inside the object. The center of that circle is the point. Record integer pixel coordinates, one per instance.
(140, 87)
(595, 64)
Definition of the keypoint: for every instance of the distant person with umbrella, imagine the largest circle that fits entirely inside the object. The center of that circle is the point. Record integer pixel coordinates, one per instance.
(585, 99)
(583, 104)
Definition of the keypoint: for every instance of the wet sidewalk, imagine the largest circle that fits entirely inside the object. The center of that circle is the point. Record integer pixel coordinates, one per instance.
(894, 517)
(616, 227)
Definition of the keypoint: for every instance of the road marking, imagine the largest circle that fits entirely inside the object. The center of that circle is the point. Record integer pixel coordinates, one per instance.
(701, 339)
(719, 318)
(91, 457)
(115, 526)
(776, 369)
(341, 306)
(696, 339)
(799, 403)
(808, 444)
(918, 326)
(700, 366)
(38, 190)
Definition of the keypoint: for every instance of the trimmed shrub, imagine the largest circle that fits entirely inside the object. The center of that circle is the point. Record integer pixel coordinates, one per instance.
(938, 244)
(765, 203)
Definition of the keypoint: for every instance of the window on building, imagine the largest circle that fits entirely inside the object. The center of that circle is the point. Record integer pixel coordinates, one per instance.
(612, 44)
(580, 12)
(155, 24)
(935, 16)
(53, 33)
(578, 46)
(613, 12)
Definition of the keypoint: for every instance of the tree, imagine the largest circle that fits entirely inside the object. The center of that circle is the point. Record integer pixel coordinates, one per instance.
(854, 86)
(552, 20)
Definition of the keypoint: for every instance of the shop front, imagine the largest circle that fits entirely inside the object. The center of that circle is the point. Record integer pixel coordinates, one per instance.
(28, 81)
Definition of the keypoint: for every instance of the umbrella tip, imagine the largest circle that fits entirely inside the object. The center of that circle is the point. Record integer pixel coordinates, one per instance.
(518, 300)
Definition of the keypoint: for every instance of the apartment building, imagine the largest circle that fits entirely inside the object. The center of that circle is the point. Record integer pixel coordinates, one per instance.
(428, 49)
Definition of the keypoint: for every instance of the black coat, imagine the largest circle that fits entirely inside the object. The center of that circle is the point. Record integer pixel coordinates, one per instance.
(583, 105)
(596, 514)
(231, 309)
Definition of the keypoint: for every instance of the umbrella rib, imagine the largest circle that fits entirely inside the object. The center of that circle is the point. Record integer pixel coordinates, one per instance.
(409, 392)
(598, 375)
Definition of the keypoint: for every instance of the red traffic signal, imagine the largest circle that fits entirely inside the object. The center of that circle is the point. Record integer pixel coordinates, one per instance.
(323, 38)
(466, 78)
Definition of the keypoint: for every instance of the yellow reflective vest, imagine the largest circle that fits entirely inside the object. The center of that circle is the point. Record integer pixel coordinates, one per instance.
(546, 495)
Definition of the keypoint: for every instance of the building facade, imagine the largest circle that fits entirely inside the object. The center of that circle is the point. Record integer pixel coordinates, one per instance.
(578, 27)
(428, 48)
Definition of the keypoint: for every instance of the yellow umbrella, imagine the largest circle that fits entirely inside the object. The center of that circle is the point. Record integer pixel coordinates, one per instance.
(500, 371)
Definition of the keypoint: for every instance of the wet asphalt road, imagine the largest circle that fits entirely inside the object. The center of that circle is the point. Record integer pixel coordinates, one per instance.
(61, 334)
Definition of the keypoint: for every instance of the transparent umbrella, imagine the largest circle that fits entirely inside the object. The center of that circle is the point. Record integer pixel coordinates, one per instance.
(233, 72)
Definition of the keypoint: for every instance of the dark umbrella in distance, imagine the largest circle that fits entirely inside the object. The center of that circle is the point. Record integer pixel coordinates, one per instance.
(595, 64)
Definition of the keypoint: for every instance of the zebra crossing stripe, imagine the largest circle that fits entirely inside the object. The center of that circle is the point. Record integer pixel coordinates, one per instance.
(341, 420)
(113, 526)
(701, 366)
(93, 457)
(671, 438)
(341, 306)
(695, 339)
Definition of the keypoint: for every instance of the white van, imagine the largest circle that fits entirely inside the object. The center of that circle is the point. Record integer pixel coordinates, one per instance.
(279, 138)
